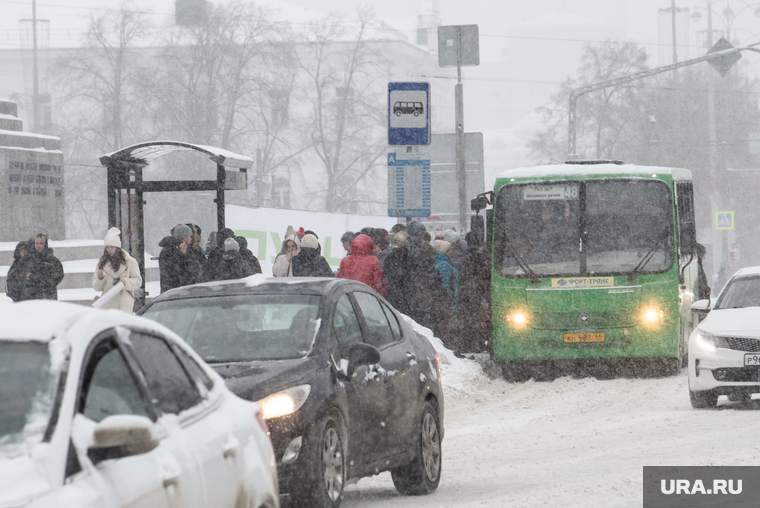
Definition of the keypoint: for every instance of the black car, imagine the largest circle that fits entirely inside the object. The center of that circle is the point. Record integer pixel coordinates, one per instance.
(348, 388)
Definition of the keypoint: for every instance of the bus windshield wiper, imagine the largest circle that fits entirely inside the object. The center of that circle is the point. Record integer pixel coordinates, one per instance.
(647, 257)
(532, 276)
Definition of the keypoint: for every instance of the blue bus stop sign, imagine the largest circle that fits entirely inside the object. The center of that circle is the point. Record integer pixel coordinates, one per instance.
(408, 114)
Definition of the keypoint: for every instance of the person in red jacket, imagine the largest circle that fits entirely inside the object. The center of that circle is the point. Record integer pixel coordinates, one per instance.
(362, 266)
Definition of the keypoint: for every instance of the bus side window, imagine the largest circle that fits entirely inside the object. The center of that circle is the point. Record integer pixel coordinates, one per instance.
(686, 229)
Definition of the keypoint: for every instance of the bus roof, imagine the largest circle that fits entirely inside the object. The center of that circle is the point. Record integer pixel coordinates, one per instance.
(580, 170)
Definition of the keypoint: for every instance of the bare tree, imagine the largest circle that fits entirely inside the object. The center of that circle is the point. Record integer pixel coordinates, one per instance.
(100, 78)
(601, 117)
(100, 110)
(204, 75)
(343, 89)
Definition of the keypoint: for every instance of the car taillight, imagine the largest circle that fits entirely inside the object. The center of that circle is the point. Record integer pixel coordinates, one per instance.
(262, 422)
(437, 361)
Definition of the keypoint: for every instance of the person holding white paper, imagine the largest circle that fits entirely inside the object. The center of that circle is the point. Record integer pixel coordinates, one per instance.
(116, 266)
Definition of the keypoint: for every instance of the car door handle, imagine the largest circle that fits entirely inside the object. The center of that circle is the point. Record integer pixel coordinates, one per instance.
(411, 356)
(230, 447)
(171, 480)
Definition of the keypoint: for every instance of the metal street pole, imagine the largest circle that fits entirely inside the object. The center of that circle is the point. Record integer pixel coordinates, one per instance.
(35, 76)
(717, 252)
(461, 167)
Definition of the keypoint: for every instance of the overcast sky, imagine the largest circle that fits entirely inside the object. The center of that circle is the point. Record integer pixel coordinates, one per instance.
(631, 20)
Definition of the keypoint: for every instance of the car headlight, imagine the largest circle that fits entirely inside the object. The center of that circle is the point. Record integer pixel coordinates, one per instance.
(285, 402)
(709, 341)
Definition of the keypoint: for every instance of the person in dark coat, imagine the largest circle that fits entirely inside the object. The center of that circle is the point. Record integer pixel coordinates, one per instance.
(702, 287)
(214, 259)
(178, 266)
(476, 294)
(50, 273)
(18, 284)
(248, 256)
(346, 240)
(308, 262)
(382, 243)
(195, 247)
(232, 265)
(399, 276)
(362, 266)
(319, 246)
(427, 289)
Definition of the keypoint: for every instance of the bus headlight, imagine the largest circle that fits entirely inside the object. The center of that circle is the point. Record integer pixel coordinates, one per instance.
(652, 315)
(285, 402)
(518, 318)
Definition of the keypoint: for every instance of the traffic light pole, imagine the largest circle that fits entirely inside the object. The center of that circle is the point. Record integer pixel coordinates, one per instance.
(579, 92)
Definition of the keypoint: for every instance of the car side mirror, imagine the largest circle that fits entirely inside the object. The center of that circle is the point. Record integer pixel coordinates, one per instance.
(120, 436)
(701, 306)
(361, 354)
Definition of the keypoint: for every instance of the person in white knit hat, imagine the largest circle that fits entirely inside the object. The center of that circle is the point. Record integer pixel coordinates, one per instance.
(115, 266)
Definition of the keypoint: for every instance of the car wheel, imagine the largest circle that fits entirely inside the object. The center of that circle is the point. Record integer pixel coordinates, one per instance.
(423, 473)
(398, 113)
(326, 460)
(703, 399)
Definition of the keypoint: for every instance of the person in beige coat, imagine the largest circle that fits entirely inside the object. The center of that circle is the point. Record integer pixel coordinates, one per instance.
(115, 266)
(291, 246)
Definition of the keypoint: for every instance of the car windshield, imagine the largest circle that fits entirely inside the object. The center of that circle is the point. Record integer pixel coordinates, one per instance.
(584, 228)
(242, 328)
(27, 393)
(739, 293)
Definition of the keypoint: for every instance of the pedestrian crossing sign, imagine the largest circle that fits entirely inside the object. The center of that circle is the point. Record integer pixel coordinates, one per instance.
(724, 220)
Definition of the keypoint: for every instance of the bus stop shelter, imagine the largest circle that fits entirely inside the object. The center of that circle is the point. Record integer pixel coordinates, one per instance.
(126, 187)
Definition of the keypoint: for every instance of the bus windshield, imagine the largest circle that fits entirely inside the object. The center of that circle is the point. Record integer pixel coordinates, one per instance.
(566, 228)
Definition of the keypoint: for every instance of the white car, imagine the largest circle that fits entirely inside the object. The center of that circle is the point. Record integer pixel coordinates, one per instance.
(724, 350)
(103, 409)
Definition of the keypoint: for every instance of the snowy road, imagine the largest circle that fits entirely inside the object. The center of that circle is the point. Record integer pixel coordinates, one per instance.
(571, 442)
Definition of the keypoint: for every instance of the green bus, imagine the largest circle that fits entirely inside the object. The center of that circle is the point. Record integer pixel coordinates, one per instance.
(593, 268)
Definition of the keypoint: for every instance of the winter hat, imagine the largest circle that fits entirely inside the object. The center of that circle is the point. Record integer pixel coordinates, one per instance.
(442, 246)
(451, 236)
(231, 244)
(112, 238)
(348, 236)
(401, 240)
(309, 242)
(182, 231)
(300, 233)
(398, 227)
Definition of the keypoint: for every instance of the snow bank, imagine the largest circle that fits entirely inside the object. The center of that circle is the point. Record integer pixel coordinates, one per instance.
(461, 378)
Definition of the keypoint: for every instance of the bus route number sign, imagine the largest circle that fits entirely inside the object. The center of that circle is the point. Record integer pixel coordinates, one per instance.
(550, 192)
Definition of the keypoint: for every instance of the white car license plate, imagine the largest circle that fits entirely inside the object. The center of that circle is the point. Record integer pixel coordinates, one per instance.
(752, 359)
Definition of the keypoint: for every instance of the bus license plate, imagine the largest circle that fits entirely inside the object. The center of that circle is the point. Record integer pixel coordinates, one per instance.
(584, 337)
(752, 359)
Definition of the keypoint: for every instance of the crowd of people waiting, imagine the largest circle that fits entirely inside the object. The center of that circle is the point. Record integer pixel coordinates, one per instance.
(184, 261)
(441, 283)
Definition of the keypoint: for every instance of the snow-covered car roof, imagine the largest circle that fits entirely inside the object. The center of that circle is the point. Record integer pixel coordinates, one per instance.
(41, 320)
(593, 169)
(750, 270)
(256, 284)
